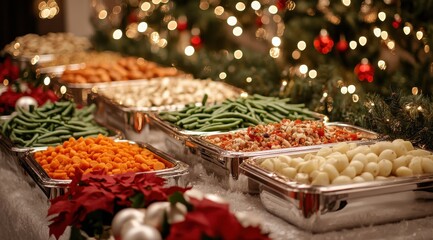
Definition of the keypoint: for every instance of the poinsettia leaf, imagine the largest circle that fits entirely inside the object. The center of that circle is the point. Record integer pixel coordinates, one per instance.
(177, 197)
(58, 226)
(137, 200)
(253, 233)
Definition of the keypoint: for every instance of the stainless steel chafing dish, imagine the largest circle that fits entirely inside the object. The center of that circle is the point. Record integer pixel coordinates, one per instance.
(326, 208)
(55, 187)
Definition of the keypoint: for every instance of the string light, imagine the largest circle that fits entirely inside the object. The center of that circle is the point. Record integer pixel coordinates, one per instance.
(303, 69)
(189, 50)
(312, 73)
(232, 20)
(343, 90)
(362, 41)
(274, 52)
(381, 16)
(390, 45)
(419, 35)
(351, 89)
(48, 9)
(296, 54)
(237, 31)
(142, 27)
(102, 14)
(248, 79)
(377, 31)
(384, 35)
(381, 64)
(276, 41)
(172, 25)
(204, 5)
(415, 91)
(222, 75)
(301, 45)
(353, 45)
(238, 54)
(240, 6)
(273, 9)
(355, 98)
(346, 2)
(219, 11)
(47, 81)
(255, 5)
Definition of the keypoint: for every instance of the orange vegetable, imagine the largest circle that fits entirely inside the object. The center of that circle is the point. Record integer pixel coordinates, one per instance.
(97, 154)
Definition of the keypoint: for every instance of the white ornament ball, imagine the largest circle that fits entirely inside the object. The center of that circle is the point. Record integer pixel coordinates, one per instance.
(142, 232)
(25, 102)
(124, 216)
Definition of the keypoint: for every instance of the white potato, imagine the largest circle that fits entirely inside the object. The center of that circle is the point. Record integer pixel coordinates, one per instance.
(361, 157)
(321, 178)
(367, 176)
(289, 172)
(408, 145)
(330, 170)
(302, 178)
(359, 149)
(342, 180)
(380, 146)
(402, 161)
(321, 160)
(385, 167)
(342, 147)
(307, 167)
(285, 159)
(313, 174)
(352, 145)
(325, 151)
(418, 152)
(308, 157)
(341, 163)
(387, 154)
(349, 171)
(378, 178)
(278, 166)
(404, 172)
(358, 179)
(399, 147)
(415, 165)
(267, 164)
(359, 166)
(372, 168)
(427, 165)
(372, 157)
(295, 161)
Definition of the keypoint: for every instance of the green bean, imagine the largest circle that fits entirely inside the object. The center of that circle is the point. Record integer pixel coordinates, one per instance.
(203, 101)
(28, 131)
(68, 110)
(190, 126)
(26, 124)
(169, 117)
(31, 141)
(63, 103)
(75, 128)
(54, 111)
(40, 114)
(26, 113)
(54, 133)
(226, 120)
(49, 140)
(279, 109)
(86, 133)
(88, 118)
(245, 117)
(220, 127)
(223, 109)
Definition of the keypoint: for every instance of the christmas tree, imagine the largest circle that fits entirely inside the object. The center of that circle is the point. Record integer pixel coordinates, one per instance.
(335, 56)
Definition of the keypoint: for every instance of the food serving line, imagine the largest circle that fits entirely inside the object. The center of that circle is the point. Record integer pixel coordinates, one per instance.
(266, 156)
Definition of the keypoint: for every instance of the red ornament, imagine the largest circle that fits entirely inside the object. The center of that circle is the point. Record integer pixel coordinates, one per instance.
(364, 70)
(397, 21)
(182, 23)
(196, 41)
(259, 22)
(323, 43)
(281, 4)
(132, 17)
(342, 45)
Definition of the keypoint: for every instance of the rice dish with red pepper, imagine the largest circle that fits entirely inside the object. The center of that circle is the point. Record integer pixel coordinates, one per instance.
(284, 134)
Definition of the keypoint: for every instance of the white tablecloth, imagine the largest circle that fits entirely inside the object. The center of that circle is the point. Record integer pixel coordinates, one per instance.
(24, 209)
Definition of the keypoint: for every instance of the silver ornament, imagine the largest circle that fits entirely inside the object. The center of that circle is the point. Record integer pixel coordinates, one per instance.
(25, 102)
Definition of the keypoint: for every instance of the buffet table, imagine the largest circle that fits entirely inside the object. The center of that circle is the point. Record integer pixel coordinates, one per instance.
(24, 208)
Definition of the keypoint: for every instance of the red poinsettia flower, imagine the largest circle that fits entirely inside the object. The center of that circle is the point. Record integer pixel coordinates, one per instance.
(212, 220)
(9, 70)
(97, 192)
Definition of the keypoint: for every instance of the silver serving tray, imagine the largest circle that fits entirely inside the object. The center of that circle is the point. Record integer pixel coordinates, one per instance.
(230, 160)
(80, 91)
(55, 187)
(334, 207)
